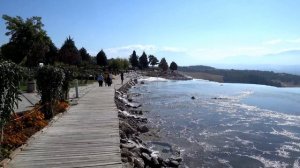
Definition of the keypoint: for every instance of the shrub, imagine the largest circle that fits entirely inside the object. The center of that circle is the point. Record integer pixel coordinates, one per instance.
(49, 83)
(69, 76)
(9, 92)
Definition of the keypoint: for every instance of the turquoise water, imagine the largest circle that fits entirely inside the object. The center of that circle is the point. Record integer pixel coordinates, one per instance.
(226, 125)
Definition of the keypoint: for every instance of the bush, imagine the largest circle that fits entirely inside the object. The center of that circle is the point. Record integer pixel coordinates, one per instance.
(49, 83)
(69, 76)
(9, 92)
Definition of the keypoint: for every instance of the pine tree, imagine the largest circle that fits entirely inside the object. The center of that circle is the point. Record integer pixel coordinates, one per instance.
(173, 66)
(68, 53)
(102, 59)
(52, 55)
(163, 64)
(84, 55)
(143, 61)
(133, 59)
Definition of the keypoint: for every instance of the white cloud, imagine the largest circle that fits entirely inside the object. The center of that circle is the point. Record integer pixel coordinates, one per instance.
(219, 54)
(273, 42)
(205, 55)
(173, 49)
(294, 40)
(137, 47)
(125, 51)
(281, 41)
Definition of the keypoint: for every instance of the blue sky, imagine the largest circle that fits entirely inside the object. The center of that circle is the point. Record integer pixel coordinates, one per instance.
(187, 32)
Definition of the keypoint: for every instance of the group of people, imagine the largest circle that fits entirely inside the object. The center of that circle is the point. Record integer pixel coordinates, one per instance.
(107, 78)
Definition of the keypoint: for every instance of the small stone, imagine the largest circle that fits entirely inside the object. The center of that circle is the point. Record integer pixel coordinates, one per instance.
(193, 97)
(142, 82)
(128, 146)
(174, 163)
(138, 139)
(139, 163)
(123, 140)
(143, 129)
(124, 159)
(136, 151)
(144, 119)
(164, 164)
(155, 161)
(178, 159)
(146, 157)
(123, 135)
(126, 128)
(127, 165)
(160, 159)
(145, 150)
(126, 153)
(130, 159)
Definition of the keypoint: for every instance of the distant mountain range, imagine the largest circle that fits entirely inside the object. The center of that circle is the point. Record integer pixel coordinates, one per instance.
(290, 69)
(284, 62)
(242, 76)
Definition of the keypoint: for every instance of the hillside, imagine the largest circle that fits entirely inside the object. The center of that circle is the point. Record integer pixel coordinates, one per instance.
(242, 76)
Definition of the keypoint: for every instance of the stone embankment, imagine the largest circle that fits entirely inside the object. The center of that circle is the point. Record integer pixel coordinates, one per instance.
(134, 151)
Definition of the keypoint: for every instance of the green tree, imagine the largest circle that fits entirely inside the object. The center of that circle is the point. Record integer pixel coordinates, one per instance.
(118, 64)
(93, 60)
(28, 40)
(125, 63)
(49, 81)
(173, 66)
(10, 75)
(69, 53)
(85, 56)
(102, 59)
(163, 64)
(134, 59)
(12, 52)
(52, 54)
(153, 60)
(114, 64)
(143, 61)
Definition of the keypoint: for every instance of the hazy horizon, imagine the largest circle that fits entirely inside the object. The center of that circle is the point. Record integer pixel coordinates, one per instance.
(189, 33)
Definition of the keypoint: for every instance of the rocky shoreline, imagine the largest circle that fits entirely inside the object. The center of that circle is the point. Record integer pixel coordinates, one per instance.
(133, 128)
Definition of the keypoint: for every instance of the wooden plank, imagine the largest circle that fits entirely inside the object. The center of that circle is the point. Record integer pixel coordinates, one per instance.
(86, 136)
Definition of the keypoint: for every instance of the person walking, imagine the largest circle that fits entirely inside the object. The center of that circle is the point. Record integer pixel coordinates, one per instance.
(122, 77)
(100, 80)
(106, 77)
(110, 77)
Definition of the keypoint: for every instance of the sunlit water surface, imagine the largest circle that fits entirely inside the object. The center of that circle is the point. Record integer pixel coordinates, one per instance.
(226, 125)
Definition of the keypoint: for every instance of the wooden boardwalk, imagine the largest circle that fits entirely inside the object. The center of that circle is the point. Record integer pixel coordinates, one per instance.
(85, 136)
